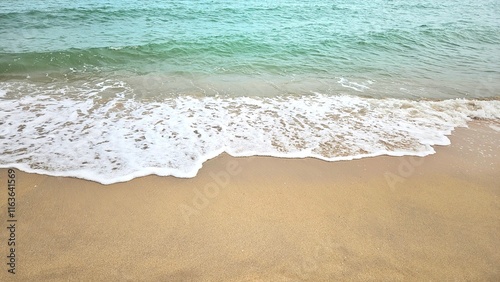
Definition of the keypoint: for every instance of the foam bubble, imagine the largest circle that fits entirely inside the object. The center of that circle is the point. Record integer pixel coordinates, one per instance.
(360, 87)
(494, 127)
(110, 139)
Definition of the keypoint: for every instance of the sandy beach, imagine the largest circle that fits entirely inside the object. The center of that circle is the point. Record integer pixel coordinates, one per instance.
(435, 218)
(212, 140)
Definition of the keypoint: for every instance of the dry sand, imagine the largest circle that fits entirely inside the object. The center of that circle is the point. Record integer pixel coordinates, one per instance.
(268, 219)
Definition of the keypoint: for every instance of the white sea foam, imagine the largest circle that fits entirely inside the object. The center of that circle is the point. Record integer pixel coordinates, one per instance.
(114, 139)
(494, 127)
(360, 87)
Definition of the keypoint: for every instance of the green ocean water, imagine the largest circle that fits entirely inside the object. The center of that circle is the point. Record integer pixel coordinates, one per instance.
(112, 90)
(453, 42)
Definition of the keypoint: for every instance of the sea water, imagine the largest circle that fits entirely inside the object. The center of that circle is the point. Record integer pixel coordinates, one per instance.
(112, 90)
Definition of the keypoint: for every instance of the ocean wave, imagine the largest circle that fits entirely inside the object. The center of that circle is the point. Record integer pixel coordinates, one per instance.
(236, 53)
(252, 37)
(114, 139)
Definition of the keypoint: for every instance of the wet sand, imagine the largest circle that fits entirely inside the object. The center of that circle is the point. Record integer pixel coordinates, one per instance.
(267, 219)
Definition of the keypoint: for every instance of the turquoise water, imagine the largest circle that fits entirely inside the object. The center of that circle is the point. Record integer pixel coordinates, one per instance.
(455, 42)
(70, 67)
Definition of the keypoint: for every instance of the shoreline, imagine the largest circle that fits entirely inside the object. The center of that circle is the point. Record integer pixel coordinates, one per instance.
(116, 140)
(249, 218)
